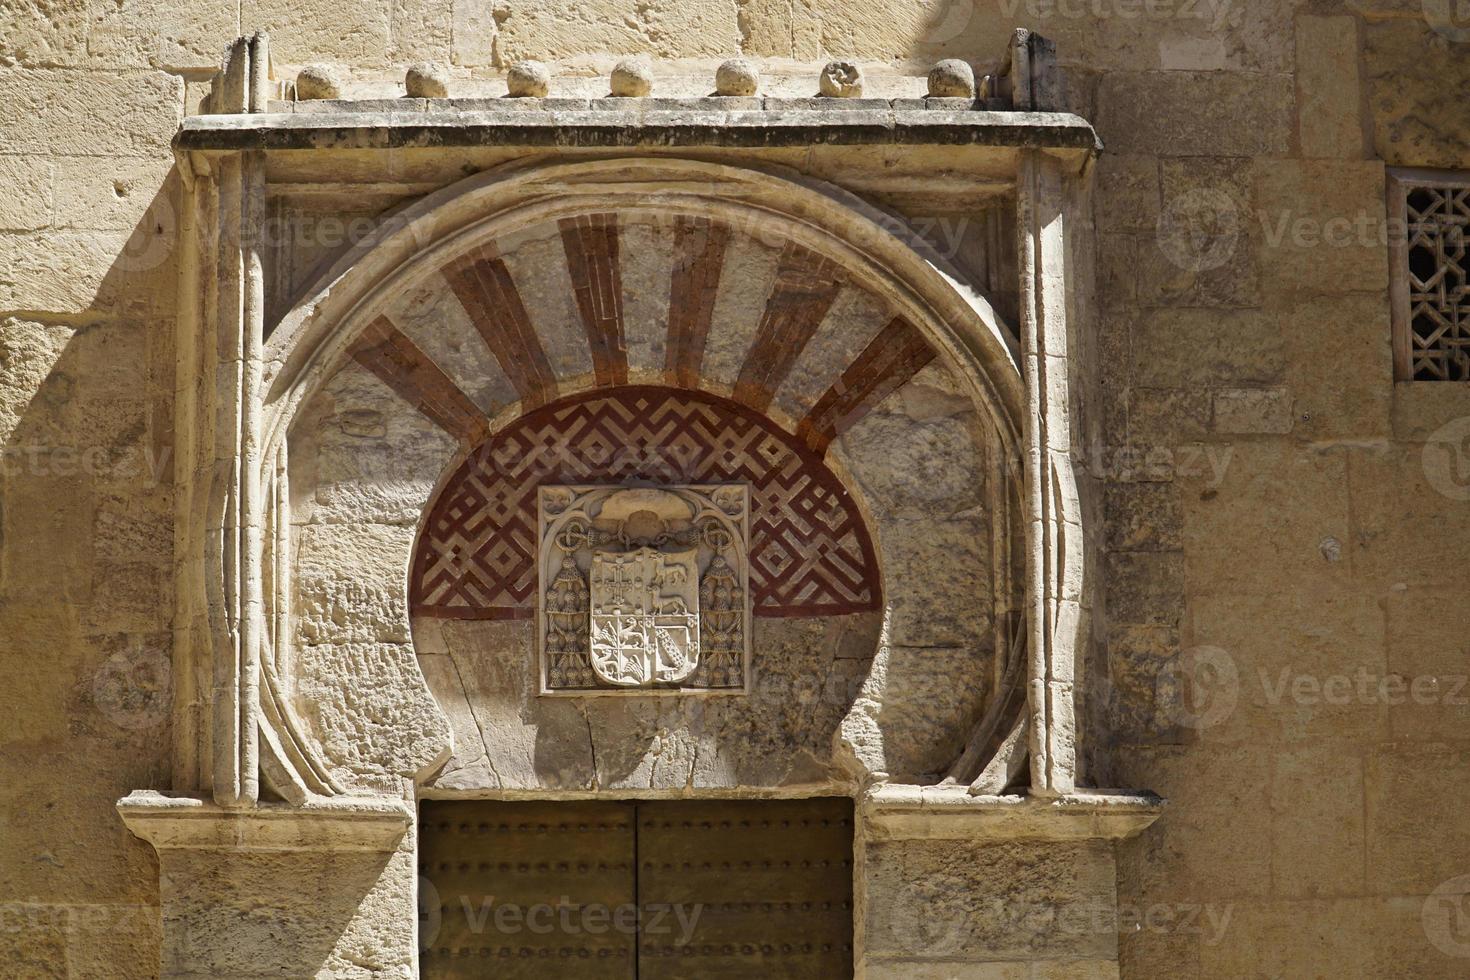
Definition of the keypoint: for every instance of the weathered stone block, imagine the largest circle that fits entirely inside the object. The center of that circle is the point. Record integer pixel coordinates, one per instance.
(1290, 938)
(1329, 100)
(1180, 113)
(1284, 667)
(74, 271)
(118, 941)
(925, 717)
(1128, 193)
(1414, 934)
(244, 913)
(29, 385)
(1204, 251)
(1145, 589)
(1409, 515)
(1170, 953)
(1415, 74)
(349, 583)
(1322, 224)
(128, 595)
(1214, 850)
(380, 725)
(1421, 409)
(44, 33)
(473, 31)
(1254, 410)
(127, 114)
(33, 940)
(1431, 655)
(1274, 507)
(357, 32)
(978, 900)
(41, 509)
(25, 193)
(1117, 270)
(1166, 417)
(369, 460)
(65, 840)
(555, 30)
(1134, 686)
(118, 197)
(781, 734)
(1187, 347)
(945, 611)
(1143, 517)
(160, 33)
(1317, 845)
(423, 30)
(911, 468)
(1339, 364)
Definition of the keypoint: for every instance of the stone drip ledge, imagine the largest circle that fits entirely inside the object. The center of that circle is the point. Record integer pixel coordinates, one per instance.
(353, 823)
(951, 813)
(620, 123)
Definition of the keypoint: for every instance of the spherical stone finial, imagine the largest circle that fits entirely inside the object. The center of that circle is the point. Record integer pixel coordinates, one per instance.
(842, 80)
(528, 80)
(737, 77)
(426, 80)
(318, 82)
(952, 79)
(632, 79)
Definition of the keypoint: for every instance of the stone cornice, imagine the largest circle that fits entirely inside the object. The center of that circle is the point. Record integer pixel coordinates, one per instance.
(624, 123)
(369, 823)
(950, 813)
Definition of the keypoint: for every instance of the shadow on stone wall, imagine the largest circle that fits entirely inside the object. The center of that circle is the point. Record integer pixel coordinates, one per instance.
(86, 390)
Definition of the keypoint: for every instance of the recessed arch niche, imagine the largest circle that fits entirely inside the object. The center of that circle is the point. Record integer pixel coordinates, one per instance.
(732, 313)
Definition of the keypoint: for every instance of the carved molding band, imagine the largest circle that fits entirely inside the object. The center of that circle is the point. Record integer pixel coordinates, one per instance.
(810, 554)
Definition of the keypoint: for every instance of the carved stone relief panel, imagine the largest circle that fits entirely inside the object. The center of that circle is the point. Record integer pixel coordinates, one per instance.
(644, 589)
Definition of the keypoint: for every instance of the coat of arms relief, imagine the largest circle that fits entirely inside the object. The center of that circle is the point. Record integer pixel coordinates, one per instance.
(644, 589)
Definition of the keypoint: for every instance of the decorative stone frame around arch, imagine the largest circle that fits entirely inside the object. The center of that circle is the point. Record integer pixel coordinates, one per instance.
(250, 786)
(322, 328)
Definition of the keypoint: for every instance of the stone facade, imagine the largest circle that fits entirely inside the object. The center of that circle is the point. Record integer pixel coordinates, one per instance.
(1250, 606)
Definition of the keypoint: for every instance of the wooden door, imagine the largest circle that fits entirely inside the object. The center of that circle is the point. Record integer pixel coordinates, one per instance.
(766, 884)
(666, 890)
(522, 890)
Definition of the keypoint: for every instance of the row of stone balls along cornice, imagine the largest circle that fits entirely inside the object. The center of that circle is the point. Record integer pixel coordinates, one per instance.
(633, 78)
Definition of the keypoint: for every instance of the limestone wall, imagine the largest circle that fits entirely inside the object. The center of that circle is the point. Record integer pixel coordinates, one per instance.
(1270, 522)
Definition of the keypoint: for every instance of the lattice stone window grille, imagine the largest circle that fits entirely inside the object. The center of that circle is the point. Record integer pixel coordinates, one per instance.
(1431, 275)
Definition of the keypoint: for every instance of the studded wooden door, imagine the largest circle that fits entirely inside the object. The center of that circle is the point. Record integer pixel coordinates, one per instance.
(526, 890)
(765, 885)
(677, 890)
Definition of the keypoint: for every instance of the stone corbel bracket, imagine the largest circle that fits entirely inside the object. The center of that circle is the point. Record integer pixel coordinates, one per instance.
(358, 823)
(952, 813)
(1027, 880)
(269, 890)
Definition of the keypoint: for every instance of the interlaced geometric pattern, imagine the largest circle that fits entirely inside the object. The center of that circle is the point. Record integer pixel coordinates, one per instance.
(1439, 291)
(810, 554)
